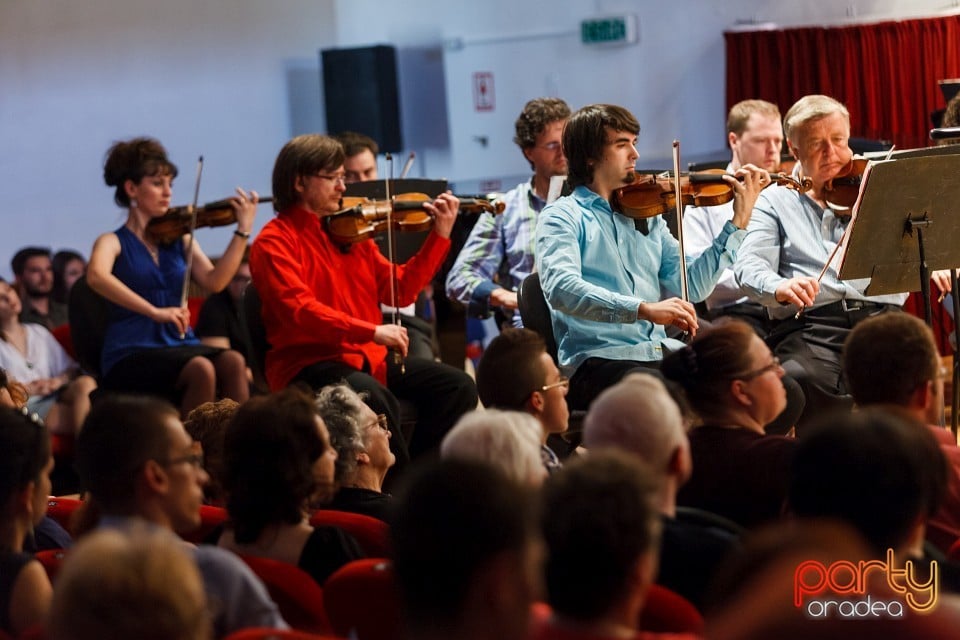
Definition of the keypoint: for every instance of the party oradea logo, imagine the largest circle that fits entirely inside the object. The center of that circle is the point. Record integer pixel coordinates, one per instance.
(868, 589)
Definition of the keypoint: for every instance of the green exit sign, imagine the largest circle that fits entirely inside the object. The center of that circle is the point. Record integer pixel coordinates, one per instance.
(612, 30)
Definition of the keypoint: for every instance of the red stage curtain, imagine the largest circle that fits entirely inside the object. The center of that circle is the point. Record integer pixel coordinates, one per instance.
(885, 73)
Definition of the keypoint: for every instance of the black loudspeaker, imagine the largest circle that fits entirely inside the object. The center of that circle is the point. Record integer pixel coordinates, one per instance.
(361, 94)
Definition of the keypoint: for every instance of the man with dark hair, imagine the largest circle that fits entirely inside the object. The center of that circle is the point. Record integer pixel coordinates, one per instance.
(498, 255)
(891, 361)
(321, 300)
(33, 278)
(139, 465)
(466, 553)
(602, 532)
(603, 272)
(360, 156)
(515, 373)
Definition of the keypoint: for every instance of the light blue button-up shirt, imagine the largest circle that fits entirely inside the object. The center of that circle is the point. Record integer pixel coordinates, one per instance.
(596, 269)
(791, 235)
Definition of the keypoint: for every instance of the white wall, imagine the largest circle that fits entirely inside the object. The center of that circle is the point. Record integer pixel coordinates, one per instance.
(234, 79)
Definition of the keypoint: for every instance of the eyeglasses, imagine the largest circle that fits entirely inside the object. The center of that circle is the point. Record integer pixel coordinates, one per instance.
(773, 366)
(337, 178)
(381, 422)
(562, 382)
(553, 147)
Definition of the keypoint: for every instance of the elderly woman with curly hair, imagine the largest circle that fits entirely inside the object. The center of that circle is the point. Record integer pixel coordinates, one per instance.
(362, 441)
(278, 462)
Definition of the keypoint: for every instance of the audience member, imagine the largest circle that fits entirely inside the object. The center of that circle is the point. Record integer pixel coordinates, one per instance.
(498, 255)
(142, 584)
(891, 361)
(508, 440)
(139, 466)
(25, 466)
(278, 462)
(68, 267)
(602, 535)
(637, 415)
(148, 344)
(515, 373)
(321, 300)
(207, 424)
(732, 381)
(33, 277)
(221, 323)
(362, 442)
(59, 393)
(467, 557)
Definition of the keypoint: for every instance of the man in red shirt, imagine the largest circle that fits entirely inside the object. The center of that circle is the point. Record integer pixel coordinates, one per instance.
(321, 300)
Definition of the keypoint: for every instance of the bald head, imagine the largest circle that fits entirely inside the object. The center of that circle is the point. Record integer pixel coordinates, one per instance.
(638, 415)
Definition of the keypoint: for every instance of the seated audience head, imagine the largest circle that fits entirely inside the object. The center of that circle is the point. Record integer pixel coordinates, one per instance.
(33, 271)
(207, 424)
(133, 160)
(538, 132)
(68, 266)
(25, 467)
(360, 156)
(277, 462)
(638, 415)
(515, 373)
(138, 584)
(12, 393)
(729, 376)
(359, 436)
(602, 532)
(585, 138)
(873, 470)
(301, 158)
(509, 440)
(135, 459)
(466, 552)
(892, 359)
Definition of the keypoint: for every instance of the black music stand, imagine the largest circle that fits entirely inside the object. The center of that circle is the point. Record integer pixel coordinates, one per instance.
(904, 227)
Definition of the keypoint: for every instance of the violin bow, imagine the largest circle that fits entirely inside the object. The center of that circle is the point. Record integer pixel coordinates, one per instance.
(391, 255)
(185, 290)
(679, 195)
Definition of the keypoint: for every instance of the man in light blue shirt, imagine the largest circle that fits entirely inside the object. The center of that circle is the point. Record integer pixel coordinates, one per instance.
(602, 272)
(792, 236)
(503, 245)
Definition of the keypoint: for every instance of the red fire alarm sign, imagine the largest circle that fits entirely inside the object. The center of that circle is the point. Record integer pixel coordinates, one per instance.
(483, 99)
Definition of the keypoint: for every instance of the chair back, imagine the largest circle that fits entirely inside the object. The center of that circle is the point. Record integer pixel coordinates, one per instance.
(62, 509)
(372, 535)
(266, 633)
(87, 311)
(256, 336)
(347, 595)
(666, 611)
(52, 560)
(297, 595)
(211, 517)
(535, 312)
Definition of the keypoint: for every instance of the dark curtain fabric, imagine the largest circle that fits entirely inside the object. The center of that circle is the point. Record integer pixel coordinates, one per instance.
(886, 73)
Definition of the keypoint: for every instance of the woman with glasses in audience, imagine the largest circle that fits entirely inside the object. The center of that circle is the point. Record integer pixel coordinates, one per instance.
(731, 381)
(149, 346)
(362, 441)
(278, 463)
(25, 466)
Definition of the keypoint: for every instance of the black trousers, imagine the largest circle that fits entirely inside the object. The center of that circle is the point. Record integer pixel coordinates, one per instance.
(440, 393)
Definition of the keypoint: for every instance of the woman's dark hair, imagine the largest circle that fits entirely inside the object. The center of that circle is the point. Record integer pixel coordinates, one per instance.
(269, 450)
(60, 261)
(133, 160)
(26, 450)
(585, 136)
(705, 368)
(302, 156)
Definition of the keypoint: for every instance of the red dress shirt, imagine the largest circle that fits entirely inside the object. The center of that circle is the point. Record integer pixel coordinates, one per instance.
(322, 303)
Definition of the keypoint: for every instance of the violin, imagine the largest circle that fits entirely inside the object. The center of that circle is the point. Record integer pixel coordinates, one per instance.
(654, 194)
(363, 218)
(176, 221)
(842, 190)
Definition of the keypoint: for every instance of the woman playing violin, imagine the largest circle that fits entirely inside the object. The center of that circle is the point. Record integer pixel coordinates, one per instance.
(149, 346)
(321, 299)
(603, 276)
